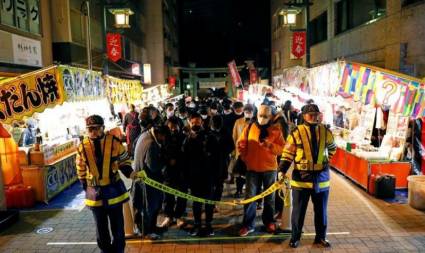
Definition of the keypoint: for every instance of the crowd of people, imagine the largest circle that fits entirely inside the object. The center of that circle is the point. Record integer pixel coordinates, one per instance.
(196, 146)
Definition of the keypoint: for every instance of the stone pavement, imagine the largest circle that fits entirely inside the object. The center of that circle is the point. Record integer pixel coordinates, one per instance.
(357, 223)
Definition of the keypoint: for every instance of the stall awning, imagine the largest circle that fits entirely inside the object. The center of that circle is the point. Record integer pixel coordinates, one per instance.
(29, 93)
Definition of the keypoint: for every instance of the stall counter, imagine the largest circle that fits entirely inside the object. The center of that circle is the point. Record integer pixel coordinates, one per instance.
(49, 174)
(359, 170)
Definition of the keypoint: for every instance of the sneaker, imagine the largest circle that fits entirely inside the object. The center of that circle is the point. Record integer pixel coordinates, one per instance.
(166, 222)
(152, 236)
(271, 228)
(180, 222)
(209, 231)
(195, 231)
(245, 231)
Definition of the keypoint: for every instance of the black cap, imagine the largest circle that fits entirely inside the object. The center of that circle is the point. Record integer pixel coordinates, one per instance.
(310, 108)
(94, 120)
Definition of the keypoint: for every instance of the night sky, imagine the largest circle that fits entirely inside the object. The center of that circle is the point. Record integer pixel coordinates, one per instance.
(213, 32)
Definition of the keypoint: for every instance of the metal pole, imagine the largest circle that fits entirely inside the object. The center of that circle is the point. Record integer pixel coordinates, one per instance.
(88, 38)
(307, 43)
(105, 56)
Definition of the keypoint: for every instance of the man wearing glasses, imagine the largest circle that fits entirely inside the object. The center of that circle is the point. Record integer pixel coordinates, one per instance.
(259, 145)
(99, 158)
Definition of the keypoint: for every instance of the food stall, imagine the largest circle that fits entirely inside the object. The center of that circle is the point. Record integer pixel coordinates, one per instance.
(373, 100)
(59, 99)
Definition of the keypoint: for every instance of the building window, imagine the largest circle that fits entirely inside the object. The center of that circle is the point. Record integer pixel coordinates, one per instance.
(352, 13)
(409, 2)
(22, 14)
(319, 28)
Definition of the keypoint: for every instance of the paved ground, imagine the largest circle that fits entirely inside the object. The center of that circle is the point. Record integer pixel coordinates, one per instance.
(357, 223)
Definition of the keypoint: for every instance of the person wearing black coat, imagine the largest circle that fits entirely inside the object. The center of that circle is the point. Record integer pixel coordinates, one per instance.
(219, 146)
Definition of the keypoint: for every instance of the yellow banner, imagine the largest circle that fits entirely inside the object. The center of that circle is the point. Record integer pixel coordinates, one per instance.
(30, 93)
(123, 91)
(279, 185)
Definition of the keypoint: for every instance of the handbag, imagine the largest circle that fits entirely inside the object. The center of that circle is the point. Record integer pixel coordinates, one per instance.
(240, 166)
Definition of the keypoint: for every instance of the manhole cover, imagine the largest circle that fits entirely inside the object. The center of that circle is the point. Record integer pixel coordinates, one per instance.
(44, 230)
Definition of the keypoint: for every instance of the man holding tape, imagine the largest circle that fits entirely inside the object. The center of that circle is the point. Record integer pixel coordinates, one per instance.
(259, 145)
(310, 146)
(99, 158)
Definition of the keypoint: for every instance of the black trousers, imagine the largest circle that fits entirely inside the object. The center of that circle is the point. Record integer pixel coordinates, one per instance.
(113, 216)
(175, 208)
(300, 198)
(205, 191)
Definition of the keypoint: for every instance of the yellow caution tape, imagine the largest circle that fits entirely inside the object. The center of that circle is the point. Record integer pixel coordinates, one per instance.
(276, 186)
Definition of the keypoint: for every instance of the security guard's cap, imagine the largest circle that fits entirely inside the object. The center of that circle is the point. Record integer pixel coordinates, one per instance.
(94, 120)
(310, 108)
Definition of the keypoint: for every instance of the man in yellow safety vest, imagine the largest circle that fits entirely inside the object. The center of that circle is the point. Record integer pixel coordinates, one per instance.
(99, 158)
(310, 146)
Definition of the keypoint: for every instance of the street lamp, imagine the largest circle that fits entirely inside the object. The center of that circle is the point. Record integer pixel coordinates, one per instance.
(295, 6)
(122, 17)
(289, 16)
(122, 20)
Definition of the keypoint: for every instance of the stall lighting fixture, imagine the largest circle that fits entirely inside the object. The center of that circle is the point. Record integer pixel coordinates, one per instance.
(122, 17)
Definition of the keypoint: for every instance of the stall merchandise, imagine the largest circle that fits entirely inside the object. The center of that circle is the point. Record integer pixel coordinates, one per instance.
(361, 93)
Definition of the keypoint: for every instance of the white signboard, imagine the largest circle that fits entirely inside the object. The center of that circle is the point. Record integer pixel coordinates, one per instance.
(26, 51)
(206, 85)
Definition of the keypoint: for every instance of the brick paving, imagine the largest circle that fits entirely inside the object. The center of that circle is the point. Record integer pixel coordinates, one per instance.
(357, 223)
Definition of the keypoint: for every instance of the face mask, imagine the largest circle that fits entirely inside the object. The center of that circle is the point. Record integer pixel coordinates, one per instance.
(262, 121)
(170, 114)
(248, 115)
(227, 112)
(204, 116)
(238, 113)
(213, 111)
(182, 117)
(192, 105)
(196, 128)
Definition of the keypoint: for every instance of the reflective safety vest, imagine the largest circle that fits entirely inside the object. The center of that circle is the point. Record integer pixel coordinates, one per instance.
(107, 189)
(309, 173)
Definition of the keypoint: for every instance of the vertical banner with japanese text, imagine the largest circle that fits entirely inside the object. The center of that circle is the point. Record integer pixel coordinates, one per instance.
(113, 46)
(234, 74)
(298, 44)
(30, 93)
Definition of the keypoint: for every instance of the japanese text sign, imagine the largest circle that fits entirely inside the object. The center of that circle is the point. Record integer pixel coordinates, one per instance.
(30, 93)
(113, 46)
(298, 44)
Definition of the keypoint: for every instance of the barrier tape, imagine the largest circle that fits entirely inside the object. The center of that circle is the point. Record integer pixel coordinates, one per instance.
(279, 185)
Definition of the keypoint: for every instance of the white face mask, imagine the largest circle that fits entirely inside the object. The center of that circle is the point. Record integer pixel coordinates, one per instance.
(238, 113)
(213, 111)
(262, 121)
(227, 112)
(204, 116)
(248, 115)
(192, 105)
(170, 114)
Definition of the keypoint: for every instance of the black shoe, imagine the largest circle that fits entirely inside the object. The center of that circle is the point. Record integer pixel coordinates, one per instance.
(323, 242)
(294, 243)
(195, 231)
(209, 231)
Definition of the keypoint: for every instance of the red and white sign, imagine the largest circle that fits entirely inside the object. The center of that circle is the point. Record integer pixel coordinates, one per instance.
(171, 81)
(253, 76)
(298, 44)
(113, 46)
(234, 74)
